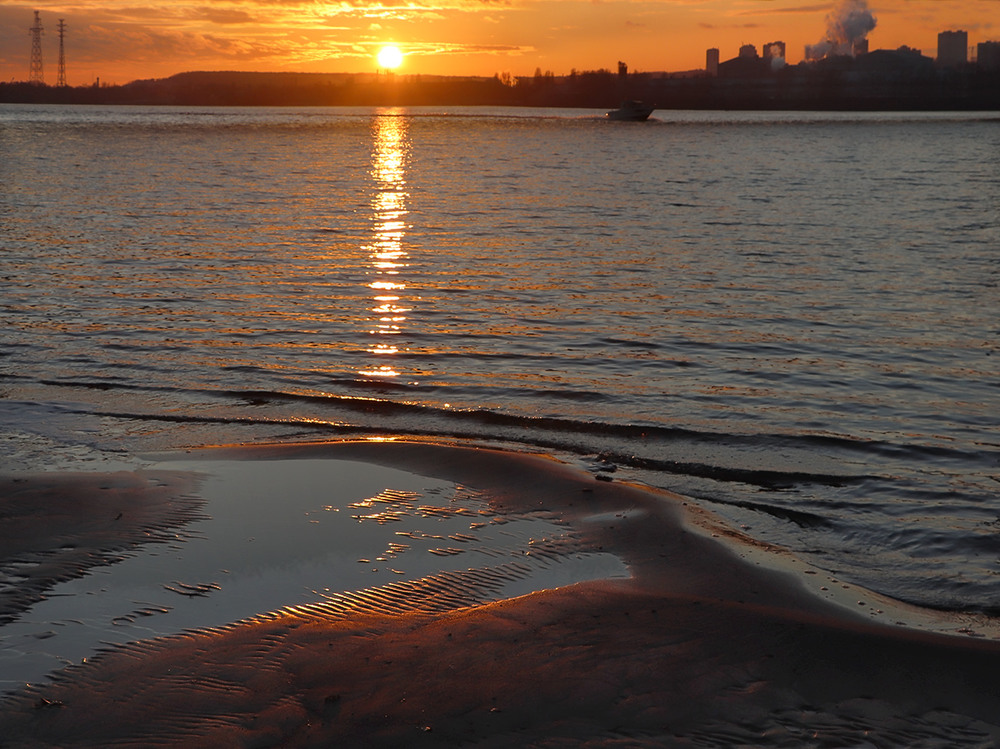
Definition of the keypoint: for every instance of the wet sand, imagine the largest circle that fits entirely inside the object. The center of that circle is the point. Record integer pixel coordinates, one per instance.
(711, 642)
(55, 527)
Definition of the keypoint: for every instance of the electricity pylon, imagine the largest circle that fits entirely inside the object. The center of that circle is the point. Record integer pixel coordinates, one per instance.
(36, 75)
(62, 55)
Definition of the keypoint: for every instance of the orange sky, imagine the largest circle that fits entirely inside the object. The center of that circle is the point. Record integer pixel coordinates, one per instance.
(121, 40)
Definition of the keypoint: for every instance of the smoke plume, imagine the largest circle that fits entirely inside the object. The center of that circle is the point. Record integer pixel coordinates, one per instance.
(847, 24)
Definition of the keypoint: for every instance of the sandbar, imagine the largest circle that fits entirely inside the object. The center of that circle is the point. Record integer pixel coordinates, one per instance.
(710, 641)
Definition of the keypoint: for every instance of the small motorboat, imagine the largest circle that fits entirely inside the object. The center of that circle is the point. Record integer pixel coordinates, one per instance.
(631, 111)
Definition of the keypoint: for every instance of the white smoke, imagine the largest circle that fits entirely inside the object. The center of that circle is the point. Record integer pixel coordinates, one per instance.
(848, 23)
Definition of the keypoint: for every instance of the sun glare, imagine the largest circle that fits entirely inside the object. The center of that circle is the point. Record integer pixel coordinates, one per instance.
(390, 57)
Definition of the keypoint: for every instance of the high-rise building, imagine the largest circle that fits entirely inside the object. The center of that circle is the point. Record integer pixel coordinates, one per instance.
(712, 61)
(748, 51)
(988, 55)
(774, 50)
(953, 48)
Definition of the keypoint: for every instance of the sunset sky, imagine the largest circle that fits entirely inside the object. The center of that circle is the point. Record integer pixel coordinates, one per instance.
(121, 40)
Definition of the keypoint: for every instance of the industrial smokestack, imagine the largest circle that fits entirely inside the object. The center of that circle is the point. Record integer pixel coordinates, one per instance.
(847, 25)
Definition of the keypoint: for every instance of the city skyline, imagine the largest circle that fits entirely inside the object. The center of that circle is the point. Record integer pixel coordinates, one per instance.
(117, 43)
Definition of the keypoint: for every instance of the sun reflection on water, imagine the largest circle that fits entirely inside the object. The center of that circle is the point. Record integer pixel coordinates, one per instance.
(387, 255)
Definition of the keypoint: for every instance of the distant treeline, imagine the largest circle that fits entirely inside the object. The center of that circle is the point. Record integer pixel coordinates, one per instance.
(881, 80)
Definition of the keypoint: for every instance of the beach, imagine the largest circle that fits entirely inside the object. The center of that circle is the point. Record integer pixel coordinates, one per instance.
(497, 426)
(711, 640)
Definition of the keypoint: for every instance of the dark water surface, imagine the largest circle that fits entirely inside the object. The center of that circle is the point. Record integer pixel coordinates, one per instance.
(791, 317)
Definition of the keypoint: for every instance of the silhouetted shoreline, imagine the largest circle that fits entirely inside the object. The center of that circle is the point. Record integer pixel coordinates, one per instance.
(879, 81)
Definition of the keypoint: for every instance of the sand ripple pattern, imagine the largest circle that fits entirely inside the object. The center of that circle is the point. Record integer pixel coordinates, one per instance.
(439, 593)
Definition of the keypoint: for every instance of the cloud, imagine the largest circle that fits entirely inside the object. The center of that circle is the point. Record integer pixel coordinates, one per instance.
(722, 26)
(786, 10)
(405, 8)
(224, 16)
(108, 44)
(139, 41)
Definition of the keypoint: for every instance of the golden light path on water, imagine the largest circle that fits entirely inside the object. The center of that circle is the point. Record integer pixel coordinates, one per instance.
(386, 252)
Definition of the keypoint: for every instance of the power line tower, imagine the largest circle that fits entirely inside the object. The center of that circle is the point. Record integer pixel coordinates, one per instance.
(36, 75)
(62, 55)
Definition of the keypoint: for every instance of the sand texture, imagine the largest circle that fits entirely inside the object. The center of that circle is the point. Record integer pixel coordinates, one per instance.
(55, 527)
(702, 646)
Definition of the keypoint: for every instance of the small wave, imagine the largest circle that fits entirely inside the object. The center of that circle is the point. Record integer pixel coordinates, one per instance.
(633, 445)
(764, 478)
(651, 345)
(800, 518)
(481, 422)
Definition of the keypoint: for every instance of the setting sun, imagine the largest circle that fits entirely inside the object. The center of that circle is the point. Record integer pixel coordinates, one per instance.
(479, 38)
(390, 57)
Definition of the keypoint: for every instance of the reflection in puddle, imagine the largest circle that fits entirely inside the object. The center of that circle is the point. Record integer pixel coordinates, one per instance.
(387, 255)
(294, 534)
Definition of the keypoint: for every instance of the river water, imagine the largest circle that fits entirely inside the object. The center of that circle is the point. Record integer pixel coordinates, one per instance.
(790, 317)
